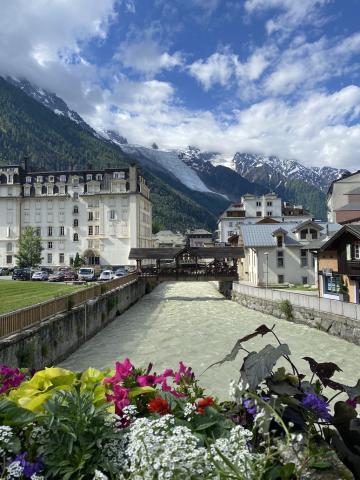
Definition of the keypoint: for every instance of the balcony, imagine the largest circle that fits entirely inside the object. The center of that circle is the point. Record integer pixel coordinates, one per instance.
(353, 267)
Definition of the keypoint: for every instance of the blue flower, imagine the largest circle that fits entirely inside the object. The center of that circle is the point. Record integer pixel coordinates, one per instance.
(29, 468)
(317, 405)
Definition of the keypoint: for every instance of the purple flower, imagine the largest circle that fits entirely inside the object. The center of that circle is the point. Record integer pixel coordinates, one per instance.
(317, 405)
(250, 407)
(29, 468)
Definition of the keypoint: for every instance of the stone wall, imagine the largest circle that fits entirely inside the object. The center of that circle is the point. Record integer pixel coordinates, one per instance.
(338, 325)
(52, 340)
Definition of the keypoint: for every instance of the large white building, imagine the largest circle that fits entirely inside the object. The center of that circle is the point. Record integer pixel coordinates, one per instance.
(99, 214)
(343, 199)
(254, 209)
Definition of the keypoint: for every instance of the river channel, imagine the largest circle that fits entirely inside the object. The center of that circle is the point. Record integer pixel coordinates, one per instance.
(194, 323)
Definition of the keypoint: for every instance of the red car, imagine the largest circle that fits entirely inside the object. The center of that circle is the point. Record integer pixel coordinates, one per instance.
(56, 277)
(70, 276)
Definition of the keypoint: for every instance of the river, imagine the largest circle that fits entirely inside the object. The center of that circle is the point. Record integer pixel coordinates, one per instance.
(194, 323)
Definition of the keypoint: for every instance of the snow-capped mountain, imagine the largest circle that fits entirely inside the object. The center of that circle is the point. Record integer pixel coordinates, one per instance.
(114, 137)
(275, 171)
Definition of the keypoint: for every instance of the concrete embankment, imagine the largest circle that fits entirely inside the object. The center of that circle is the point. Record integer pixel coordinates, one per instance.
(54, 339)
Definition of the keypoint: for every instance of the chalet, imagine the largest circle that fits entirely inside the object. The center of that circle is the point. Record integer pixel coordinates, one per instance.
(339, 265)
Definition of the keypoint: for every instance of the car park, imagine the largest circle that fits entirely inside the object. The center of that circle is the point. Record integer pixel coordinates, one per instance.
(87, 274)
(40, 276)
(106, 275)
(21, 274)
(56, 277)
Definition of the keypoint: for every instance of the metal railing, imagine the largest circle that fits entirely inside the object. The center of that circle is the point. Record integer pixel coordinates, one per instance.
(17, 320)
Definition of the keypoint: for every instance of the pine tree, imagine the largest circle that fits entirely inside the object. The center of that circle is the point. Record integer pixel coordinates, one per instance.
(78, 261)
(30, 248)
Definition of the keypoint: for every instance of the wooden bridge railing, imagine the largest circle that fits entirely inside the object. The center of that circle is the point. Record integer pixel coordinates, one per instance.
(17, 320)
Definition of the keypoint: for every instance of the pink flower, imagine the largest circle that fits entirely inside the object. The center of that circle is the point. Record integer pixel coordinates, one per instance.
(183, 371)
(120, 398)
(122, 371)
(146, 380)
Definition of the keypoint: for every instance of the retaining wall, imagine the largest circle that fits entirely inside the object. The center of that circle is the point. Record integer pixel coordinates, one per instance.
(269, 301)
(54, 339)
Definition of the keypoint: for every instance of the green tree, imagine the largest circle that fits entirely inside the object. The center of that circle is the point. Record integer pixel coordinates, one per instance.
(30, 248)
(78, 261)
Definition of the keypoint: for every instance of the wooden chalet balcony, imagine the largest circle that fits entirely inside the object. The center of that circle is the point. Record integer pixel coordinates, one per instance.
(352, 267)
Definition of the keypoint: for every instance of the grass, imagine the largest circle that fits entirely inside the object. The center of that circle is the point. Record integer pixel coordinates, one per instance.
(15, 294)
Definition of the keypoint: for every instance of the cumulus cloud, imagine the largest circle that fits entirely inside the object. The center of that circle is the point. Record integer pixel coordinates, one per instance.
(292, 13)
(143, 53)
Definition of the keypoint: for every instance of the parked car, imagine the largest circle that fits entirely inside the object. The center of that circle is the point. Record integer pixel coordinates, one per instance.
(56, 277)
(21, 274)
(120, 272)
(87, 274)
(70, 276)
(4, 271)
(48, 270)
(106, 275)
(40, 276)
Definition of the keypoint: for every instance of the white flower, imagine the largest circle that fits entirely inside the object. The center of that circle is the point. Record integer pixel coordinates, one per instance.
(35, 476)
(14, 470)
(99, 475)
(189, 410)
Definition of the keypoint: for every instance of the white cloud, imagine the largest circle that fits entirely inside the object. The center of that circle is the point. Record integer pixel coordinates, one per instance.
(216, 69)
(294, 13)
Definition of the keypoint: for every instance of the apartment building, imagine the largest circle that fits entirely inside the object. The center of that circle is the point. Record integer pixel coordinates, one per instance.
(253, 209)
(343, 199)
(100, 214)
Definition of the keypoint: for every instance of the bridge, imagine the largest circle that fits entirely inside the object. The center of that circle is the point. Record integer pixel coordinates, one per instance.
(188, 263)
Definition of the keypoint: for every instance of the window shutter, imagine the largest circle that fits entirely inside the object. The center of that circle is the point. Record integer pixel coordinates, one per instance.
(348, 251)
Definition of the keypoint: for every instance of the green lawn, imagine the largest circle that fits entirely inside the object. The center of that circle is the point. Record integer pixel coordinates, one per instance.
(15, 294)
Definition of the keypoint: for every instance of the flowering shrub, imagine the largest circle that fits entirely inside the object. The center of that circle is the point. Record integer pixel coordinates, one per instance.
(134, 423)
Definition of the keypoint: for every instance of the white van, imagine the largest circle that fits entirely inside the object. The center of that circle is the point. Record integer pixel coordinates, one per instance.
(87, 274)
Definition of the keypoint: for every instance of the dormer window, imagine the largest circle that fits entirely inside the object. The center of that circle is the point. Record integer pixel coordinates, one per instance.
(10, 179)
(62, 178)
(303, 234)
(98, 177)
(39, 178)
(51, 178)
(75, 181)
(314, 234)
(119, 175)
(28, 179)
(280, 241)
(88, 177)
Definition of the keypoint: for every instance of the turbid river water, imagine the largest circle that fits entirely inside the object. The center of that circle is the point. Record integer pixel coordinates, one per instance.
(194, 323)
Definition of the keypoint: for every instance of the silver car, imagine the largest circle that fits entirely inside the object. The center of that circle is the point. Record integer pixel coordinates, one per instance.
(39, 276)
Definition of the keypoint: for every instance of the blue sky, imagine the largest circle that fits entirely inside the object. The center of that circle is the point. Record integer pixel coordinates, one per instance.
(264, 76)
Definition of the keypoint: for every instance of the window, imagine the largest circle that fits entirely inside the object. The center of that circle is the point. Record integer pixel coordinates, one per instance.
(9, 247)
(75, 182)
(50, 231)
(76, 209)
(280, 278)
(39, 178)
(303, 258)
(314, 234)
(258, 214)
(62, 189)
(76, 222)
(9, 191)
(303, 234)
(119, 175)
(37, 218)
(258, 204)
(62, 231)
(269, 204)
(27, 191)
(304, 280)
(357, 251)
(98, 176)
(279, 239)
(88, 176)
(90, 230)
(269, 213)
(75, 195)
(38, 231)
(8, 258)
(332, 284)
(75, 237)
(62, 178)
(28, 179)
(112, 214)
(90, 216)
(51, 178)
(280, 258)
(49, 258)
(49, 245)
(97, 230)
(230, 224)
(61, 258)
(50, 190)
(50, 204)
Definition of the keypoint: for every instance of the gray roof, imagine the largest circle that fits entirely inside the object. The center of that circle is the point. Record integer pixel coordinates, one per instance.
(261, 235)
(355, 191)
(350, 206)
(307, 222)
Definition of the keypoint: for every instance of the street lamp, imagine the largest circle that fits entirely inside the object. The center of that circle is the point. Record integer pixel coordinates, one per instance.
(267, 268)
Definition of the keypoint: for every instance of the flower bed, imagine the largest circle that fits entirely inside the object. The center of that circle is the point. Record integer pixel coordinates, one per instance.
(134, 423)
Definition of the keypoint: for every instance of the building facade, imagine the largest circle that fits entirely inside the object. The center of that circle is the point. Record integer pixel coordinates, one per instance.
(99, 214)
(278, 253)
(339, 263)
(169, 239)
(254, 209)
(199, 238)
(343, 199)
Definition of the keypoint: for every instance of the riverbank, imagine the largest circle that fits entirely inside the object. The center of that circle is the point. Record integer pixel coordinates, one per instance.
(193, 322)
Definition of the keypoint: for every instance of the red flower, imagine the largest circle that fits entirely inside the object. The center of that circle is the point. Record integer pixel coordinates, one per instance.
(202, 403)
(159, 405)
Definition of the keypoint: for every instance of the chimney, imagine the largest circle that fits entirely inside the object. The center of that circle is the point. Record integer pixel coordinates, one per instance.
(133, 177)
(25, 163)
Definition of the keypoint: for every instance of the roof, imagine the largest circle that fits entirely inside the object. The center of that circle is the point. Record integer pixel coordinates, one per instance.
(343, 177)
(354, 229)
(355, 191)
(261, 235)
(199, 231)
(349, 206)
(172, 253)
(301, 225)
